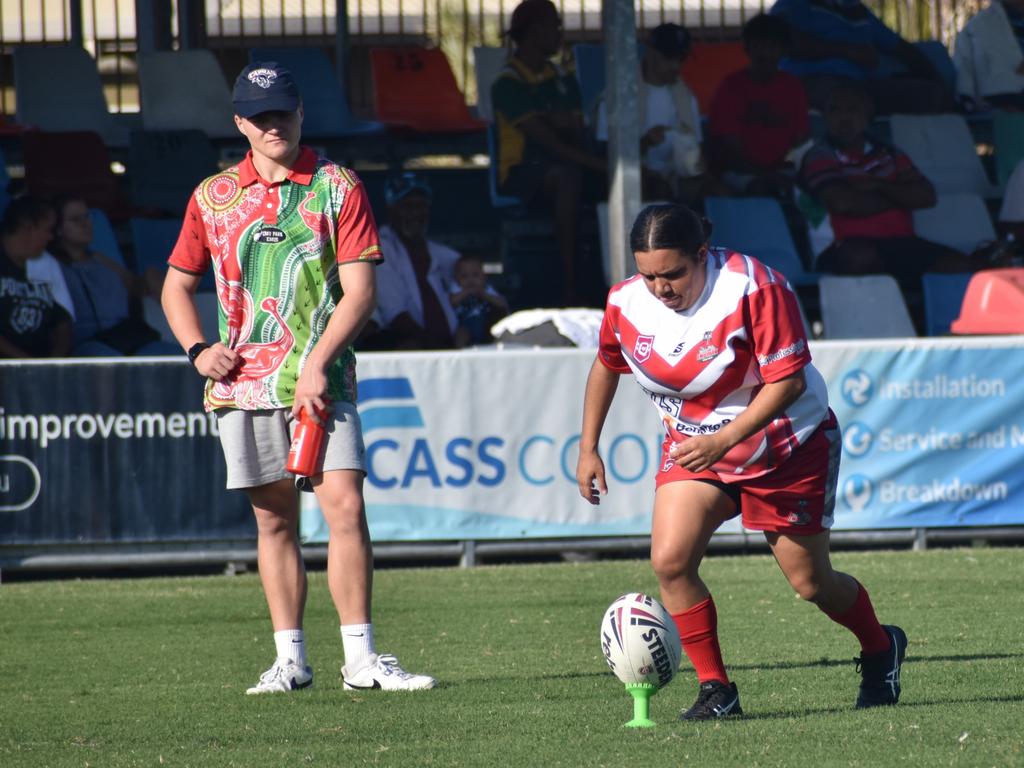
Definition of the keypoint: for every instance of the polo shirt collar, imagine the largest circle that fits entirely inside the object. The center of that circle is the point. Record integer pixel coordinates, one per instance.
(300, 173)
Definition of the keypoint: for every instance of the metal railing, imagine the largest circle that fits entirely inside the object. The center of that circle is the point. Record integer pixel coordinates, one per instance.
(107, 28)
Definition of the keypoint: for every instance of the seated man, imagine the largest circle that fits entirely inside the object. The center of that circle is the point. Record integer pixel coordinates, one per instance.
(868, 190)
(989, 57)
(415, 278)
(758, 115)
(670, 133)
(844, 39)
(537, 109)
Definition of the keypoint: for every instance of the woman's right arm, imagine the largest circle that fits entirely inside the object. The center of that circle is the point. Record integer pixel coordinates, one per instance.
(601, 385)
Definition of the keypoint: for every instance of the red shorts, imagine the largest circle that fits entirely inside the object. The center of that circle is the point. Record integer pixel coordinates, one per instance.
(798, 497)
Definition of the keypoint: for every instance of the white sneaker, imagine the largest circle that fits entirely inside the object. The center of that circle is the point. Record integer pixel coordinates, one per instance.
(284, 676)
(384, 672)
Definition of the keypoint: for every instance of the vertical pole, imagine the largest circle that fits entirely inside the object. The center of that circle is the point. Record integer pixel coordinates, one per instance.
(341, 43)
(621, 75)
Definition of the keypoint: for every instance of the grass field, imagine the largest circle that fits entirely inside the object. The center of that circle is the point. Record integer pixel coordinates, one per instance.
(152, 672)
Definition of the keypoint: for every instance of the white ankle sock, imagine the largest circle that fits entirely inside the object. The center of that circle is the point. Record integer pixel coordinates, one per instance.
(357, 641)
(291, 645)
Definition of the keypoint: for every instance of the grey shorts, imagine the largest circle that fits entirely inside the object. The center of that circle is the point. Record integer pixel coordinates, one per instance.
(256, 444)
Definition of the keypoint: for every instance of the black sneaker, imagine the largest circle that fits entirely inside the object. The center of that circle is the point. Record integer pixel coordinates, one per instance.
(715, 700)
(880, 672)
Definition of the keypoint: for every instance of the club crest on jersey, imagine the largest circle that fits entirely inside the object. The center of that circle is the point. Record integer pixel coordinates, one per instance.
(642, 348)
(707, 351)
(263, 77)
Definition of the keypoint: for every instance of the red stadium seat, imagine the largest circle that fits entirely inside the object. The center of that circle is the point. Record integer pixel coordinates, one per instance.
(707, 66)
(994, 303)
(72, 163)
(415, 88)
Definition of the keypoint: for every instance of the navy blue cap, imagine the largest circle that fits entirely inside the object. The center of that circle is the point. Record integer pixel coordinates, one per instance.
(397, 187)
(264, 86)
(670, 40)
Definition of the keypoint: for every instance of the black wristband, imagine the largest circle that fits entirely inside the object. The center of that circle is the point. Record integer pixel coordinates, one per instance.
(195, 350)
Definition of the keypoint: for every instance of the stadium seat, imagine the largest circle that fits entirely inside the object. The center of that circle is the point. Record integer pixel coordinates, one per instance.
(708, 65)
(959, 220)
(74, 163)
(942, 148)
(103, 238)
(80, 105)
(185, 89)
(993, 303)
(414, 88)
(325, 108)
(206, 304)
(943, 295)
(164, 168)
(863, 307)
(487, 63)
(1008, 136)
(590, 74)
(757, 227)
(154, 239)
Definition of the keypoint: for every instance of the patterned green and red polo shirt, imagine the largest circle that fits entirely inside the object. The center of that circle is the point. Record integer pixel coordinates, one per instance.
(275, 250)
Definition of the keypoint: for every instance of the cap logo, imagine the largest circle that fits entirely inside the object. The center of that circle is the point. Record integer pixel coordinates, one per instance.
(263, 77)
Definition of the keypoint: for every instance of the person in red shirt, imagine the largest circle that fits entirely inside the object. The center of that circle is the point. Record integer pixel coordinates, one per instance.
(869, 190)
(758, 115)
(715, 340)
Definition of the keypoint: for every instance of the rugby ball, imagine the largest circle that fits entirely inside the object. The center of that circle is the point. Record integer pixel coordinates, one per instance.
(640, 641)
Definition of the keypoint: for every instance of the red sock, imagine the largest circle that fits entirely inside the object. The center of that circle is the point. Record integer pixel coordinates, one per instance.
(698, 629)
(861, 620)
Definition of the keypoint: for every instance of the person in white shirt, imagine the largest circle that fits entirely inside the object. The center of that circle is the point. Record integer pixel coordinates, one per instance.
(46, 269)
(670, 132)
(989, 58)
(416, 276)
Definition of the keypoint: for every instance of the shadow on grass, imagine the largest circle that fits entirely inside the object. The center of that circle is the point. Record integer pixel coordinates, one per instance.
(911, 659)
(810, 712)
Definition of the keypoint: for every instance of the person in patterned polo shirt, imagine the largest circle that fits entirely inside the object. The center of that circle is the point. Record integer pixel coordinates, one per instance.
(293, 246)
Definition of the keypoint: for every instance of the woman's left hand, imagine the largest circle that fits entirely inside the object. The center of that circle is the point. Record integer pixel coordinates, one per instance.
(699, 453)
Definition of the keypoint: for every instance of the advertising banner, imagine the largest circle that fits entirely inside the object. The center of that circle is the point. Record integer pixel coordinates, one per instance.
(483, 445)
(111, 451)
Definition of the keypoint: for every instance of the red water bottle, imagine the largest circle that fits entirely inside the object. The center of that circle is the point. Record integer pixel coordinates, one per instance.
(304, 454)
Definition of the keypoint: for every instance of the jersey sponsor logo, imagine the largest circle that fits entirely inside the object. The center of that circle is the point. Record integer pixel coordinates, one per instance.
(262, 77)
(707, 351)
(270, 235)
(796, 348)
(678, 349)
(642, 348)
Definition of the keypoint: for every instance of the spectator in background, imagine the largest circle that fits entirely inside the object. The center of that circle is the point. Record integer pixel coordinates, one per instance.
(103, 291)
(868, 190)
(32, 322)
(414, 280)
(670, 132)
(758, 115)
(477, 305)
(844, 39)
(46, 269)
(542, 156)
(989, 57)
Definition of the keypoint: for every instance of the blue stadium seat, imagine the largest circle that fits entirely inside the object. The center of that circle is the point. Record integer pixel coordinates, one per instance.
(154, 239)
(166, 166)
(326, 112)
(487, 64)
(938, 55)
(943, 149)
(590, 73)
(943, 296)
(757, 227)
(185, 89)
(103, 238)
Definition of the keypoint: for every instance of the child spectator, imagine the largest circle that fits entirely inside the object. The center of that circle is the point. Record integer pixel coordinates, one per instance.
(477, 305)
(758, 115)
(32, 323)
